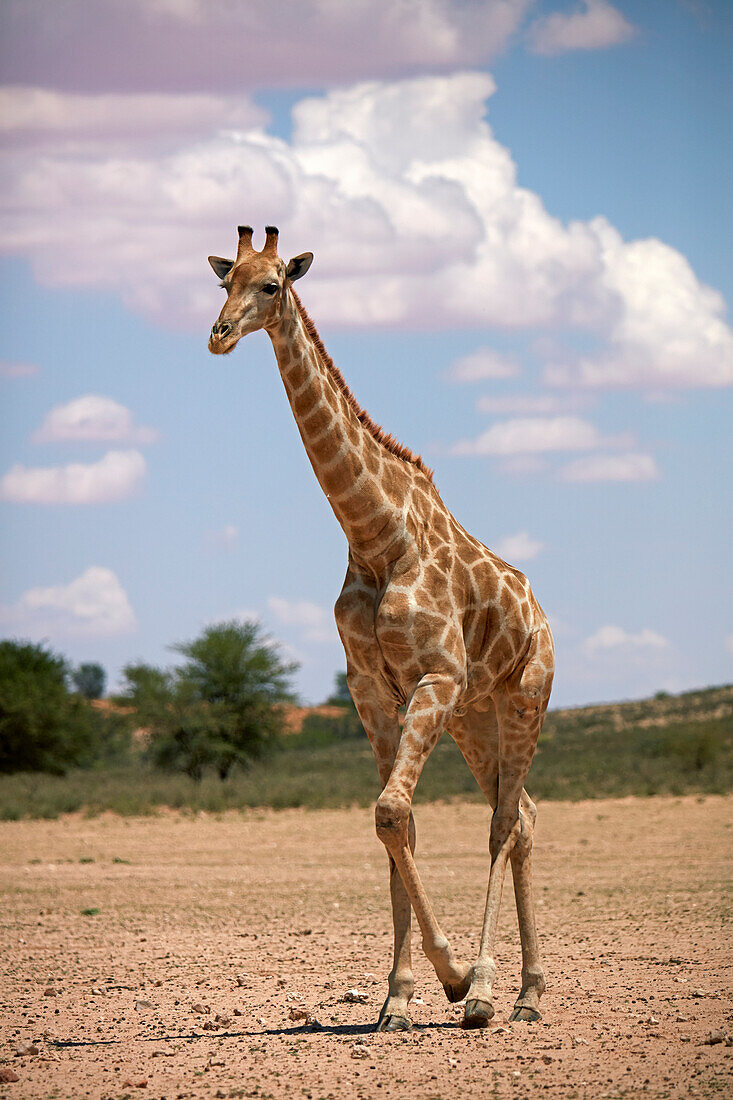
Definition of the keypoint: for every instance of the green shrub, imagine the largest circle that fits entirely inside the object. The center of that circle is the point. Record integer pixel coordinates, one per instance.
(220, 708)
(43, 726)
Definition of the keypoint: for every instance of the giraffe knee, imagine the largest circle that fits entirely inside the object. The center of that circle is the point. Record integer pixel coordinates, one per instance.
(392, 816)
(523, 845)
(505, 828)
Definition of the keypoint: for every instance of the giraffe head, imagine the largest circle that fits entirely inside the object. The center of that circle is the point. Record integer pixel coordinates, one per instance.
(255, 283)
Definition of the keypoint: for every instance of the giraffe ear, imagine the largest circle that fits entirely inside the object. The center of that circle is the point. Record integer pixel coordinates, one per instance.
(298, 266)
(221, 267)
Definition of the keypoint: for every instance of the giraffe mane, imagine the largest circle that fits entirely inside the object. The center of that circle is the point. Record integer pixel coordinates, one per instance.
(384, 438)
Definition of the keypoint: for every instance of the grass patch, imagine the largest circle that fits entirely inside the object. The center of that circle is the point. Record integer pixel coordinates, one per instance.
(670, 745)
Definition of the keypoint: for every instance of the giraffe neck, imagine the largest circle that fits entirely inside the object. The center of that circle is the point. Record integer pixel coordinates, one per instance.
(366, 485)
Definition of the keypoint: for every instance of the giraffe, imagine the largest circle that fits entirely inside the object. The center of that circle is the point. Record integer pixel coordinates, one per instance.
(430, 619)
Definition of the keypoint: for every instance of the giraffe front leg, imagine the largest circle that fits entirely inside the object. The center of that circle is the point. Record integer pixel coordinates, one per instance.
(384, 734)
(427, 715)
(395, 1014)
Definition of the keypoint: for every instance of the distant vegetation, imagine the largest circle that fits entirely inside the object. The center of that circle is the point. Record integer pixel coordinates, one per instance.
(46, 725)
(670, 744)
(217, 710)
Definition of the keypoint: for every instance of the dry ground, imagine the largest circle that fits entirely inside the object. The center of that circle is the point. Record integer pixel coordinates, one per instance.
(251, 916)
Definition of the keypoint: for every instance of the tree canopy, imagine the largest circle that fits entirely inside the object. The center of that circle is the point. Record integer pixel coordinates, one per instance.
(43, 725)
(219, 708)
(89, 679)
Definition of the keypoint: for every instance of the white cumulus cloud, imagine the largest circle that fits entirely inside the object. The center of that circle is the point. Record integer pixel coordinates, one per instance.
(17, 370)
(226, 538)
(616, 638)
(484, 363)
(533, 435)
(116, 475)
(95, 419)
(316, 624)
(412, 209)
(630, 466)
(519, 547)
(179, 45)
(27, 114)
(593, 25)
(94, 604)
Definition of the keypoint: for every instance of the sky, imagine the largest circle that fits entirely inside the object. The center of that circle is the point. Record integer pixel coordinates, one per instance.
(520, 217)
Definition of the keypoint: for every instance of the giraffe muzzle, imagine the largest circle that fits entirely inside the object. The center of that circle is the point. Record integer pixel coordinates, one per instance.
(218, 341)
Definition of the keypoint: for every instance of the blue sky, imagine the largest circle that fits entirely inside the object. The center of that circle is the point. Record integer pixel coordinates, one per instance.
(520, 219)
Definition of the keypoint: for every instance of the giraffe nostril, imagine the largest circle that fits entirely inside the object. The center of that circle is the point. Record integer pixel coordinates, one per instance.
(221, 328)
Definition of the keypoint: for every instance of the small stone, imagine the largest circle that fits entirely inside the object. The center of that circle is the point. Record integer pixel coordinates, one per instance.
(242, 980)
(209, 1025)
(26, 1048)
(354, 997)
(578, 1040)
(714, 1037)
(200, 1008)
(452, 1062)
(238, 1012)
(652, 1020)
(141, 1084)
(298, 1013)
(8, 1076)
(547, 1058)
(501, 1030)
(143, 1006)
(50, 992)
(222, 1019)
(216, 1061)
(360, 1050)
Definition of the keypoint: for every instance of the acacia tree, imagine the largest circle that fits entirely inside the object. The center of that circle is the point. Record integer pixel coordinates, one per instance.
(218, 709)
(89, 679)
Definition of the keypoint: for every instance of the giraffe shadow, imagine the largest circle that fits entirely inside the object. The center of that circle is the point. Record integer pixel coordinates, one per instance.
(355, 1029)
(304, 1030)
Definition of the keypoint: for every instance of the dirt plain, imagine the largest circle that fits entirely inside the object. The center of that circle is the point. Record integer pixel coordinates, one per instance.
(125, 938)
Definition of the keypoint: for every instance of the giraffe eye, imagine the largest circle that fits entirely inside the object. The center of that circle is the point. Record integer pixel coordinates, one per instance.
(269, 288)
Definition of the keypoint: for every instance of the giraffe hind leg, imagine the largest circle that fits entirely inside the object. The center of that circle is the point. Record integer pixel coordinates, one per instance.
(527, 1005)
(500, 756)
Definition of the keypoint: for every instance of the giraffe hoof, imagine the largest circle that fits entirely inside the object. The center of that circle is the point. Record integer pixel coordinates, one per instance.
(525, 1014)
(393, 1023)
(456, 991)
(477, 1014)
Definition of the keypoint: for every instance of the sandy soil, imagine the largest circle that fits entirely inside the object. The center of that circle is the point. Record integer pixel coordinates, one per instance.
(205, 936)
